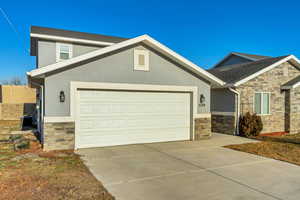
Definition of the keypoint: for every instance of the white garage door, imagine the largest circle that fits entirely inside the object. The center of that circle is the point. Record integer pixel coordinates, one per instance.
(108, 118)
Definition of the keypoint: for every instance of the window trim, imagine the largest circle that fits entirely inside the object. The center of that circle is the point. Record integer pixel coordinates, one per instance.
(261, 102)
(137, 53)
(58, 45)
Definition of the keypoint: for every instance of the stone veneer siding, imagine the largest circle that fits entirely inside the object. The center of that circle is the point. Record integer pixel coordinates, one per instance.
(223, 124)
(59, 136)
(202, 128)
(293, 108)
(270, 81)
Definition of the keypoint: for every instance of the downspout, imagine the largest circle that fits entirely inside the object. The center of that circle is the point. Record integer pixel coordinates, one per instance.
(238, 110)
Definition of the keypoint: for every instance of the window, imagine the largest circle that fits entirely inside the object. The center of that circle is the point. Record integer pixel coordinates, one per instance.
(63, 51)
(141, 60)
(262, 103)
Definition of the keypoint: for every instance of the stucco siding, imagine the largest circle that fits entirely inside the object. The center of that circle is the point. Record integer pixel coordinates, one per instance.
(119, 68)
(47, 52)
(222, 100)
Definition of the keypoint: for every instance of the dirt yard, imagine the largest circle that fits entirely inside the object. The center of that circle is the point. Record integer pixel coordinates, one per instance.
(33, 174)
(277, 147)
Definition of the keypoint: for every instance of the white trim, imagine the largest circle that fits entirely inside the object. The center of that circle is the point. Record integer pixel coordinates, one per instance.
(136, 54)
(224, 113)
(296, 85)
(58, 119)
(68, 39)
(266, 69)
(58, 45)
(144, 38)
(238, 113)
(202, 115)
(74, 98)
(291, 87)
(246, 57)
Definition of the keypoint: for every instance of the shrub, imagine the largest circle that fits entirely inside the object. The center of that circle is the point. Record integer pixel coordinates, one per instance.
(250, 125)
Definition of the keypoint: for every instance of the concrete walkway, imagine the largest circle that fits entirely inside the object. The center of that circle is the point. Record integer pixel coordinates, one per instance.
(191, 170)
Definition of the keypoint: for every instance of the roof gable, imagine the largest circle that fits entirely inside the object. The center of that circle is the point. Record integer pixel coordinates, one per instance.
(145, 39)
(235, 75)
(238, 58)
(38, 32)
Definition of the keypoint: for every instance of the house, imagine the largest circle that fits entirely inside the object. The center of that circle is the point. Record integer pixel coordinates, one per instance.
(96, 90)
(267, 86)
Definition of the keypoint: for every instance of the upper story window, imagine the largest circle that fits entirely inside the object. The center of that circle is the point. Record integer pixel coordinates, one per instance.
(262, 103)
(64, 51)
(141, 60)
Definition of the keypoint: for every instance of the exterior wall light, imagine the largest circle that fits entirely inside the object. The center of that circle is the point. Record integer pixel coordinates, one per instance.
(202, 100)
(62, 97)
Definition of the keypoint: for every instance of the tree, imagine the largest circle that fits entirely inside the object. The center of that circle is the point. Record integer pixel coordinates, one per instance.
(13, 81)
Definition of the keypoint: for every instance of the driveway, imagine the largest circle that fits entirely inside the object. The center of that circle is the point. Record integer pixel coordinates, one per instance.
(191, 170)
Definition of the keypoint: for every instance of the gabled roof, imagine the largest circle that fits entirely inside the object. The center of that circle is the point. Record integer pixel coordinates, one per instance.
(237, 74)
(145, 39)
(252, 57)
(292, 83)
(38, 32)
(249, 57)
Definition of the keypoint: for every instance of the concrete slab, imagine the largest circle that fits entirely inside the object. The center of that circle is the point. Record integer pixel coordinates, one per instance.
(191, 170)
(278, 178)
(189, 186)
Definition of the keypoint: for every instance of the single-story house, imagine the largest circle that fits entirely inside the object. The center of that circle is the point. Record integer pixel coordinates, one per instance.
(267, 86)
(96, 90)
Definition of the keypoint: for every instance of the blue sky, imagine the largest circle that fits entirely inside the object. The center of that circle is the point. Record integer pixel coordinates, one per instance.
(202, 31)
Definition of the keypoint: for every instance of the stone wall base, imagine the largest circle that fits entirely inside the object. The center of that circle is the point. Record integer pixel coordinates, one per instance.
(223, 124)
(202, 128)
(59, 136)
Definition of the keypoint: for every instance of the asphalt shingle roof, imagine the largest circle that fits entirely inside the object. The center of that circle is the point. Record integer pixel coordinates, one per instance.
(257, 57)
(234, 73)
(76, 34)
(292, 82)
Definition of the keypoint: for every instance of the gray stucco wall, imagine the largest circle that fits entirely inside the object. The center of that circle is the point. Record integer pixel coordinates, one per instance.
(47, 52)
(231, 60)
(222, 100)
(118, 68)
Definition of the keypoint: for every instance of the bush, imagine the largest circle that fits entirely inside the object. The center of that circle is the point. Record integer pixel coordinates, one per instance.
(250, 125)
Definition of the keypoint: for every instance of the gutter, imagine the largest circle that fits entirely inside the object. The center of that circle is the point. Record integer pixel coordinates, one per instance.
(238, 110)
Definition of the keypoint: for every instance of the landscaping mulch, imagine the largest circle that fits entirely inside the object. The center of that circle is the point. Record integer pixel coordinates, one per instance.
(56, 175)
(284, 148)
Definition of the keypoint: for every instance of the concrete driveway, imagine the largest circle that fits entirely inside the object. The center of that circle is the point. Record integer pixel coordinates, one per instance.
(191, 170)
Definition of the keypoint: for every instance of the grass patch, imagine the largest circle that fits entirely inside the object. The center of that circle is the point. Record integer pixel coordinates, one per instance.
(47, 175)
(285, 148)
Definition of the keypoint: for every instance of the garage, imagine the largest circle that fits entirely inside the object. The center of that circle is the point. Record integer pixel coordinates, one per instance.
(108, 118)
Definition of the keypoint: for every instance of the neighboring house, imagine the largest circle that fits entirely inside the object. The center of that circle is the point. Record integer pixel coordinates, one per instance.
(258, 84)
(97, 90)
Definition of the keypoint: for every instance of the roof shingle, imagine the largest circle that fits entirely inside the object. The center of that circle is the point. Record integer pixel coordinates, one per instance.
(234, 73)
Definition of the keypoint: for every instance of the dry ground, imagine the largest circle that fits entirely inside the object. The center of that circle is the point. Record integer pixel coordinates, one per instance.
(285, 148)
(33, 174)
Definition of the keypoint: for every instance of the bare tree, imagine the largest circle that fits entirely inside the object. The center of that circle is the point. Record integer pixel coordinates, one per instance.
(13, 81)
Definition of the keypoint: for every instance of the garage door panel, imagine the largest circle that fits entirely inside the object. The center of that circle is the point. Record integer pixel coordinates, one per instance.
(120, 138)
(113, 118)
(133, 123)
(87, 108)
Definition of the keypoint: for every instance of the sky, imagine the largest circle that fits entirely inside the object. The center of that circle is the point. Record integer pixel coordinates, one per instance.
(202, 31)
